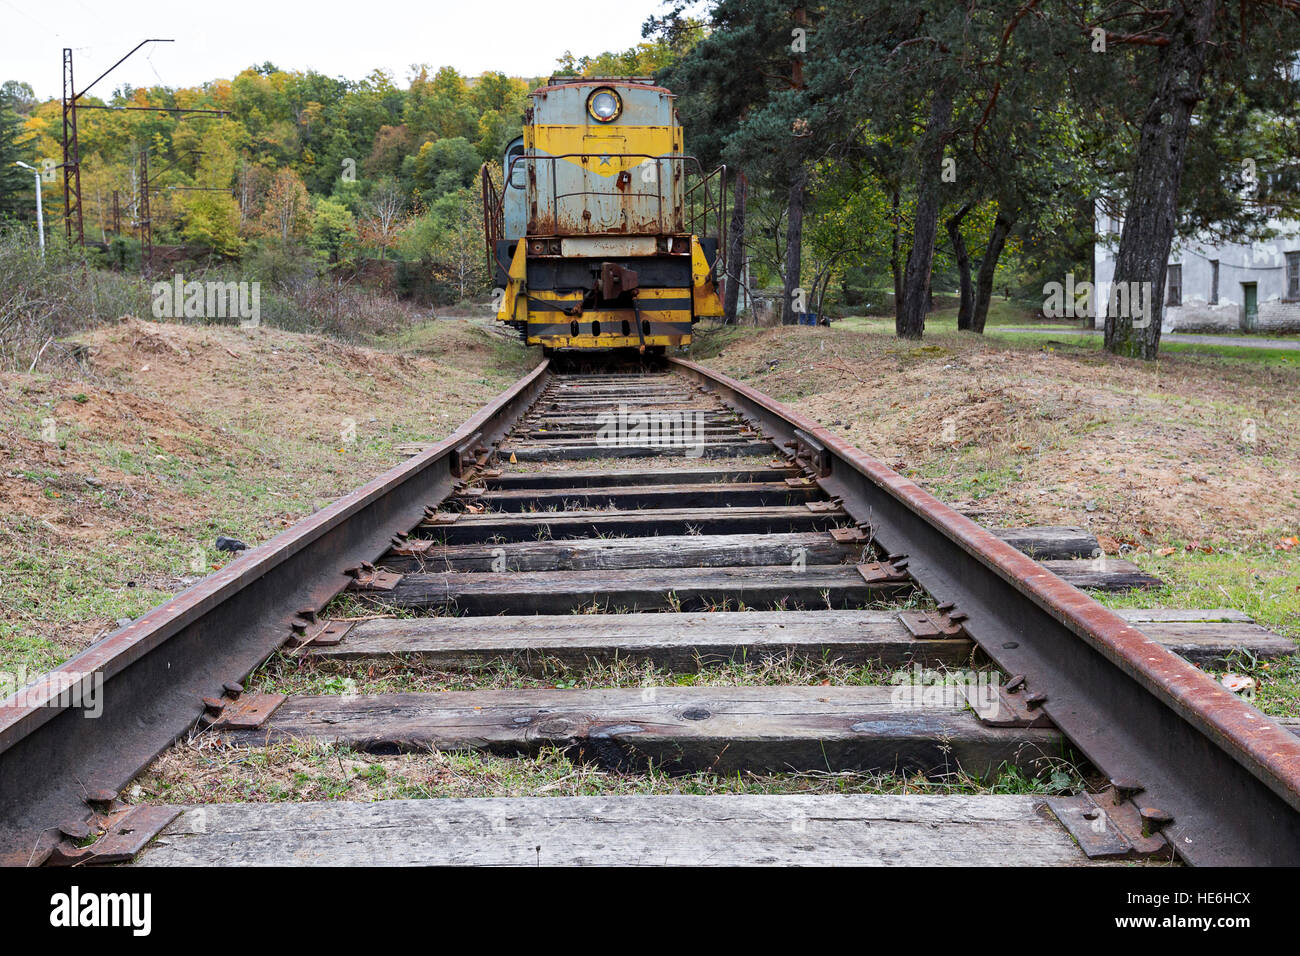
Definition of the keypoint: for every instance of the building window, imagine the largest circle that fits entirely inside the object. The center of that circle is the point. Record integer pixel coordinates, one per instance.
(1214, 282)
(1293, 275)
(1174, 284)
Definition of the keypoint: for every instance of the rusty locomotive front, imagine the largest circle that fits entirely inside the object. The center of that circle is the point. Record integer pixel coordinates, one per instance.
(604, 234)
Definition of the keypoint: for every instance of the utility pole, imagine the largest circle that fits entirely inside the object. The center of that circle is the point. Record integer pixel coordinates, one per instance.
(40, 211)
(71, 154)
(146, 224)
(797, 193)
(71, 146)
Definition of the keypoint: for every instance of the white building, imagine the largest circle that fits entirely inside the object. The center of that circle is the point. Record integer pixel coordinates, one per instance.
(1235, 287)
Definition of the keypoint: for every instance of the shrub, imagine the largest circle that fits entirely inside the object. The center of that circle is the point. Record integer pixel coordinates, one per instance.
(43, 299)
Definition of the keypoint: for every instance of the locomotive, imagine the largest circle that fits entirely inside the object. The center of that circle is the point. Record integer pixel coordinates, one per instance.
(603, 234)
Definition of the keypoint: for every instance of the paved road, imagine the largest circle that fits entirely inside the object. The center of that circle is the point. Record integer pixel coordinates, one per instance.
(1244, 341)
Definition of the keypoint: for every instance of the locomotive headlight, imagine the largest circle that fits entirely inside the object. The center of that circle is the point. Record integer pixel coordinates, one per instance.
(604, 105)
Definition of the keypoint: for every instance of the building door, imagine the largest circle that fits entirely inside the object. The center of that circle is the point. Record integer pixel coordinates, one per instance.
(1251, 298)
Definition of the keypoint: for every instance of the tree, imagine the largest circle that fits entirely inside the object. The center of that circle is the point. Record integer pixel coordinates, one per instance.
(211, 219)
(849, 224)
(382, 216)
(498, 93)
(458, 252)
(979, 183)
(332, 226)
(1245, 53)
(734, 259)
(743, 99)
(446, 165)
(644, 59)
(437, 106)
(910, 319)
(286, 214)
(966, 302)
(1151, 215)
(1017, 150)
(392, 144)
(889, 80)
(19, 95)
(17, 187)
(495, 131)
(251, 187)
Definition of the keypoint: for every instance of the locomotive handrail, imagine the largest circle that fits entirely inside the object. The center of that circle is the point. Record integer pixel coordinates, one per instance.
(703, 183)
(493, 213)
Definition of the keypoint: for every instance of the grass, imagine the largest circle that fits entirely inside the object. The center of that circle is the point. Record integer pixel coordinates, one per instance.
(1262, 582)
(203, 770)
(1151, 457)
(120, 511)
(145, 561)
(1216, 354)
(311, 675)
(1003, 314)
(1009, 312)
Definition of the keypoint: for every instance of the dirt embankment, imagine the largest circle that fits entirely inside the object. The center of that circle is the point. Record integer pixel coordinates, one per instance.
(116, 478)
(1192, 448)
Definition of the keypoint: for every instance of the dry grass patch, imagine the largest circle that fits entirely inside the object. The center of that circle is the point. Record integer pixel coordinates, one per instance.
(1054, 434)
(117, 477)
(204, 769)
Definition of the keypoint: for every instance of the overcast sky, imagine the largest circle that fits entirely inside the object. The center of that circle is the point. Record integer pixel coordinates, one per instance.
(218, 39)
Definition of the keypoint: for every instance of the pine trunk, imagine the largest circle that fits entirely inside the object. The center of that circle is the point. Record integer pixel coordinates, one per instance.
(735, 260)
(910, 323)
(794, 246)
(988, 268)
(1151, 218)
(966, 304)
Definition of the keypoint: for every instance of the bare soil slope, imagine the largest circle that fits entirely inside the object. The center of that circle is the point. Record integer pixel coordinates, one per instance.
(1191, 447)
(116, 480)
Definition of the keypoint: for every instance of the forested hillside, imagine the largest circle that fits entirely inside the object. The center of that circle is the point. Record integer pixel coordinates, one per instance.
(304, 174)
(304, 166)
(886, 153)
(339, 196)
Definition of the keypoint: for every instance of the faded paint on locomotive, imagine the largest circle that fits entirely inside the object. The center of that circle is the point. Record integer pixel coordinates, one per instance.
(592, 177)
(590, 236)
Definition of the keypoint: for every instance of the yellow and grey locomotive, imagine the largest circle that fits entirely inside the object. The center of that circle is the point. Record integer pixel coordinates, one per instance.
(599, 232)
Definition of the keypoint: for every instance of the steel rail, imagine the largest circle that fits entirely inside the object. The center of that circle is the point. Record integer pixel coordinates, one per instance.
(1166, 732)
(156, 671)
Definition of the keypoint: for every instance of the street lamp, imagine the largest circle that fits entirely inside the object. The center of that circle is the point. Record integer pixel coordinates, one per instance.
(40, 212)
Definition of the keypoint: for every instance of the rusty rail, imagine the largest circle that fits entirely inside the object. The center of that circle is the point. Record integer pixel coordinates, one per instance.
(1219, 779)
(56, 764)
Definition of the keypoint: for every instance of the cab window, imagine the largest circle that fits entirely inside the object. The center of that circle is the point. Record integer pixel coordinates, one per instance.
(518, 173)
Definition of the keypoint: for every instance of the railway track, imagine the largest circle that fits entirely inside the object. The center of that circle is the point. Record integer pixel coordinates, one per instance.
(676, 519)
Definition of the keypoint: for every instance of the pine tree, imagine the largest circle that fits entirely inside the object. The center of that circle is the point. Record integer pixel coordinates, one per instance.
(17, 191)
